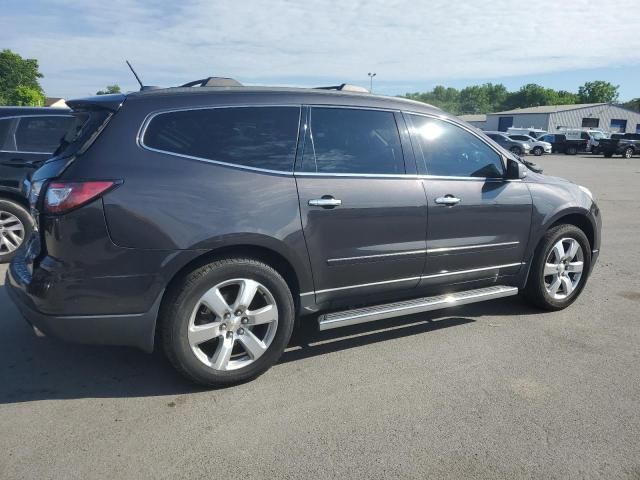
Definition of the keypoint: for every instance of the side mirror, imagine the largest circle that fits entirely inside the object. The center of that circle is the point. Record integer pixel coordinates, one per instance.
(515, 170)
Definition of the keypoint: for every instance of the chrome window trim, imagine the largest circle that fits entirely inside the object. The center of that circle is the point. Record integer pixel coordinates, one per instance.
(409, 279)
(470, 247)
(379, 255)
(147, 120)
(23, 151)
(38, 115)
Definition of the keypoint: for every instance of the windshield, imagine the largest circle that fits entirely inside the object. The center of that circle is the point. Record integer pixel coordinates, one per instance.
(598, 135)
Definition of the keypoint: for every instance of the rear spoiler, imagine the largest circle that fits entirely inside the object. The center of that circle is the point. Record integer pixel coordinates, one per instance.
(111, 102)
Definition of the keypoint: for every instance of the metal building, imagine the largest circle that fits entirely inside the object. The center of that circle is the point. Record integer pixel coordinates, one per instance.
(602, 116)
(478, 121)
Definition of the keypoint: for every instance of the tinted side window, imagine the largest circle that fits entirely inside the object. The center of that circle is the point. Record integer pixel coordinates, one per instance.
(344, 140)
(41, 134)
(5, 127)
(449, 150)
(259, 137)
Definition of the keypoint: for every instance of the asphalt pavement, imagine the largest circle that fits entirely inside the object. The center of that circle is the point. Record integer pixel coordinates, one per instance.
(491, 390)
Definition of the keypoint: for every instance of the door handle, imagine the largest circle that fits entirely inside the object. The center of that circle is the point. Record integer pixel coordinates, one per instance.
(448, 200)
(325, 202)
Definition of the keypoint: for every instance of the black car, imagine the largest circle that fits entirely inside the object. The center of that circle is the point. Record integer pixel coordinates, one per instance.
(561, 144)
(625, 144)
(28, 136)
(211, 220)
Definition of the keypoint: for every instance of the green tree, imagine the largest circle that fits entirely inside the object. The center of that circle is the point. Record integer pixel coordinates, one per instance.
(633, 104)
(115, 88)
(26, 97)
(598, 91)
(15, 72)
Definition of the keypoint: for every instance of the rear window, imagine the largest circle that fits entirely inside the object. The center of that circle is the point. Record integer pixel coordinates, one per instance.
(41, 134)
(257, 137)
(84, 128)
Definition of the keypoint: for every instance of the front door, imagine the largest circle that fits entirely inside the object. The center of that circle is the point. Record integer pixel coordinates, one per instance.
(478, 221)
(364, 218)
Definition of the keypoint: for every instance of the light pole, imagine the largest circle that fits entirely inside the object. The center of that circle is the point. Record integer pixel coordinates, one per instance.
(371, 75)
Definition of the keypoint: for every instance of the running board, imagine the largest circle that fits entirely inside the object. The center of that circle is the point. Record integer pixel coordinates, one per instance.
(409, 307)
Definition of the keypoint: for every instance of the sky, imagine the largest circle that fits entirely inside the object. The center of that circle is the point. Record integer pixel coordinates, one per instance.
(81, 45)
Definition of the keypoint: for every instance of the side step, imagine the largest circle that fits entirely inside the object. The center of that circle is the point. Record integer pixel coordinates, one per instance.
(378, 312)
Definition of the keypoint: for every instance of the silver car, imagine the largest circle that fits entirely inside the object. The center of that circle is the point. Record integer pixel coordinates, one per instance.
(538, 147)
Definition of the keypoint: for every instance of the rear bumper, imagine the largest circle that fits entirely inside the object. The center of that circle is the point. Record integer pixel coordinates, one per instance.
(134, 330)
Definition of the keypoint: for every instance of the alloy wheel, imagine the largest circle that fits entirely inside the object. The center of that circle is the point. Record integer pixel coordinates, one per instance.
(628, 153)
(233, 324)
(11, 232)
(563, 268)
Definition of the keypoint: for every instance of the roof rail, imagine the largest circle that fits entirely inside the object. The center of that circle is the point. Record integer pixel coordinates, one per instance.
(345, 87)
(214, 82)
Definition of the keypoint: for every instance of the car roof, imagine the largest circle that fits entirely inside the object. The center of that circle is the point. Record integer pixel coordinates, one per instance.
(188, 96)
(24, 111)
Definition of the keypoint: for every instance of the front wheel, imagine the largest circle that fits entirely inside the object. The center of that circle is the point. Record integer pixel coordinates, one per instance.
(608, 155)
(516, 151)
(537, 151)
(227, 322)
(15, 227)
(628, 152)
(560, 268)
(572, 150)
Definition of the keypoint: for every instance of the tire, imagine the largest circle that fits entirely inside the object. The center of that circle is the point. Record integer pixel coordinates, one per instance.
(16, 226)
(516, 150)
(628, 152)
(572, 150)
(608, 155)
(539, 287)
(185, 317)
(537, 151)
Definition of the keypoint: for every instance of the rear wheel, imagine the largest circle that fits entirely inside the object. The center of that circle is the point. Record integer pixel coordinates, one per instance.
(628, 152)
(227, 322)
(560, 268)
(572, 150)
(516, 150)
(15, 227)
(608, 155)
(537, 151)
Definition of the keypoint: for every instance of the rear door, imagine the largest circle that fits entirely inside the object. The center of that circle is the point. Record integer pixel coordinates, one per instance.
(363, 210)
(478, 221)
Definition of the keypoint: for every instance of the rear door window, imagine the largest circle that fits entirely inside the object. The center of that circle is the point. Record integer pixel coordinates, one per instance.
(448, 150)
(41, 134)
(349, 140)
(257, 137)
(5, 129)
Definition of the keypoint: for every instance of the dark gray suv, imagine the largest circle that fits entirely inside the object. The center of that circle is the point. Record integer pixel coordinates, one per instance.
(210, 220)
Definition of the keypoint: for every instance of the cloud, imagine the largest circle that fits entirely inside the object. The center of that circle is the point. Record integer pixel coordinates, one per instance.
(81, 46)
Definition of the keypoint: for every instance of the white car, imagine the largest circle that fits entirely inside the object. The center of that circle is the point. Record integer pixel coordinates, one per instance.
(538, 147)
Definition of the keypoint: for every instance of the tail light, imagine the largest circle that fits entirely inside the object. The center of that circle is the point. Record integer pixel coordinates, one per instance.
(63, 197)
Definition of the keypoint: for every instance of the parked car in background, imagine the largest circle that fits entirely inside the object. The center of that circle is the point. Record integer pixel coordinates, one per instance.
(517, 147)
(532, 132)
(625, 144)
(561, 144)
(538, 147)
(28, 136)
(210, 221)
(590, 135)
